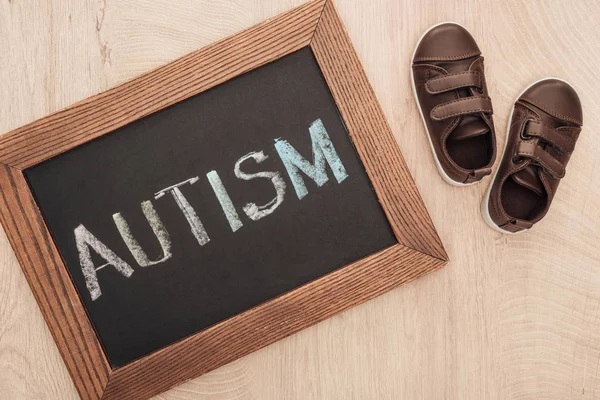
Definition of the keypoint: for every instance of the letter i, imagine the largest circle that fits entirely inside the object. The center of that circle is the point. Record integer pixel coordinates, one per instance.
(226, 204)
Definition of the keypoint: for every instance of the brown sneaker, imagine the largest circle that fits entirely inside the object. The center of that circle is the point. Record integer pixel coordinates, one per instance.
(449, 86)
(543, 128)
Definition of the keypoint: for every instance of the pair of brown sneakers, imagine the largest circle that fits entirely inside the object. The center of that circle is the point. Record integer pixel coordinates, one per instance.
(449, 85)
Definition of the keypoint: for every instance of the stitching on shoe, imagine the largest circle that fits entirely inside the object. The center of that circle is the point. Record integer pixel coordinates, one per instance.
(575, 135)
(438, 107)
(465, 55)
(429, 67)
(553, 112)
(527, 153)
(566, 135)
(567, 128)
(428, 87)
(461, 112)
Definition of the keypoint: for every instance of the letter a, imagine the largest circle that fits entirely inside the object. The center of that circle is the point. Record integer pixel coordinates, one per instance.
(85, 240)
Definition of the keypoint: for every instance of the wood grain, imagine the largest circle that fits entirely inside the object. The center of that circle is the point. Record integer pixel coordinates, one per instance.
(51, 285)
(266, 323)
(372, 136)
(269, 322)
(508, 318)
(165, 86)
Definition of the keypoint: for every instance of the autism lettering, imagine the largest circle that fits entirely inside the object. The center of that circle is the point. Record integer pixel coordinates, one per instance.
(296, 166)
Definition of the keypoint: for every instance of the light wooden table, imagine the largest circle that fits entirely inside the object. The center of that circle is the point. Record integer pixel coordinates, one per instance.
(509, 318)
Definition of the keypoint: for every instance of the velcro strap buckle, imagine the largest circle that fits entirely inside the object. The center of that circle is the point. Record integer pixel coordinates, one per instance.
(454, 81)
(533, 151)
(556, 137)
(467, 105)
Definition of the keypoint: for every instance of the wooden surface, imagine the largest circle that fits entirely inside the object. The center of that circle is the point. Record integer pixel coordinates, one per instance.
(95, 116)
(270, 321)
(509, 318)
(51, 285)
(372, 136)
(418, 251)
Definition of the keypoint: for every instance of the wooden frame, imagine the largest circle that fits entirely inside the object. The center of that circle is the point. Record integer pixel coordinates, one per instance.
(315, 24)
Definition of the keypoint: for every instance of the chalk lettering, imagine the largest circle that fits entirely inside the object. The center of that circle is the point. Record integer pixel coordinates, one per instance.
(85, 240)
(296, 165)
(226, 204)
(253, 211)
(189, 213)
(323, 151)
(159, 231)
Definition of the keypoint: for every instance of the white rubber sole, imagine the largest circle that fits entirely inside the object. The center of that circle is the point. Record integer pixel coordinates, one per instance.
(485, 204)
(443, 173)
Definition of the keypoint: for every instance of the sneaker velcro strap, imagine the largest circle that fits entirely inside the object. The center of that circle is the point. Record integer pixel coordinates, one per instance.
(454, 81)
(556, 137)
(533, 151)
(467, 105)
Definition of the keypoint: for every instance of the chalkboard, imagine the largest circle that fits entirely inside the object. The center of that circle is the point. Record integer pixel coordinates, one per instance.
(212, 206)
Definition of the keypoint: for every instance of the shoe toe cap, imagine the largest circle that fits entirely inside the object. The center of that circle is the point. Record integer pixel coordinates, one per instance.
(446, 41)
(557, 98)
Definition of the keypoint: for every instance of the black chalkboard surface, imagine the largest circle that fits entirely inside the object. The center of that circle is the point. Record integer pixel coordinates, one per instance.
(207, 208)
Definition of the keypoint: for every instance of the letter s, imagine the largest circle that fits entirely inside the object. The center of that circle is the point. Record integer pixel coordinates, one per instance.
(253, 211)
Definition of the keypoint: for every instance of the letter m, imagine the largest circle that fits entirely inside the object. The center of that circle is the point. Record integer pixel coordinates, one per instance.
(323, 153)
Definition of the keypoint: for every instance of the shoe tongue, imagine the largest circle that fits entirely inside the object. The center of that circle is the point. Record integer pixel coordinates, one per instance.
(469, 127)
(528, 177)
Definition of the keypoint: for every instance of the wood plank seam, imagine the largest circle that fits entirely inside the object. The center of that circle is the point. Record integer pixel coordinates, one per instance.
(318, 20)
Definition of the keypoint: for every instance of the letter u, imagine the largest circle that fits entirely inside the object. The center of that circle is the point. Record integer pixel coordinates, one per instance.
(159, 231)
